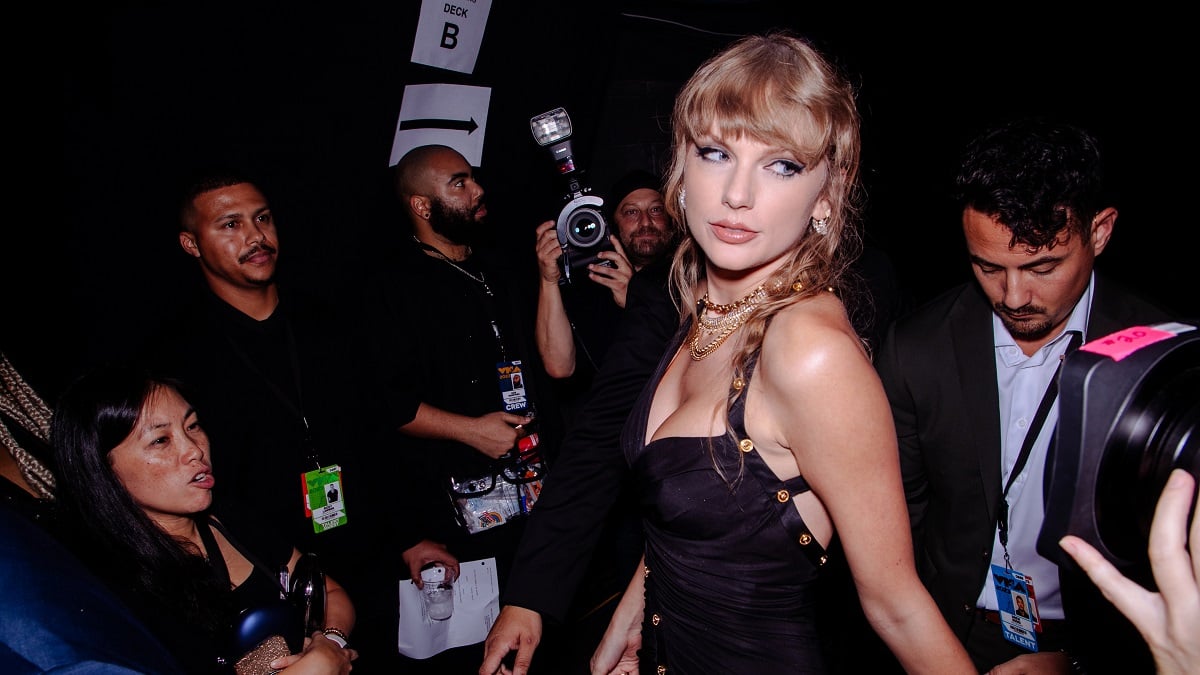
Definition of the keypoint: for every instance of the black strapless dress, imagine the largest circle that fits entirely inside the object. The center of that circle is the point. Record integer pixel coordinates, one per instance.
(731, 567)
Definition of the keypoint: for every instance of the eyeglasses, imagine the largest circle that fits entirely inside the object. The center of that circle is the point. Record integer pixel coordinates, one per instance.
(518, 470)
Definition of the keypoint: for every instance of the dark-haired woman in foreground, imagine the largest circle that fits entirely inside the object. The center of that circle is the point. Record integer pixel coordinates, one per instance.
(134, 470)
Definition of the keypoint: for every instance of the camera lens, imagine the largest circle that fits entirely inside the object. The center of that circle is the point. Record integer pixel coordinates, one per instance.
(1157, 431)
(585, 228)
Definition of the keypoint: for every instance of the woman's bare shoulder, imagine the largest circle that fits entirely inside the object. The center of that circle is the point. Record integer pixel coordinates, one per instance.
(813, 331)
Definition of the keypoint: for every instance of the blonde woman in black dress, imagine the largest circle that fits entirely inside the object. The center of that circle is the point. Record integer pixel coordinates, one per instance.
(765, 432)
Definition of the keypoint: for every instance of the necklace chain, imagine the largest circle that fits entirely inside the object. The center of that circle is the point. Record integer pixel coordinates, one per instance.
(731, 312)
(733, 316)
(753, 298)
(479, 278)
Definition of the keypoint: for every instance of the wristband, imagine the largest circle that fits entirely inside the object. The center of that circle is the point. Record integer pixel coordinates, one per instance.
(337, 636)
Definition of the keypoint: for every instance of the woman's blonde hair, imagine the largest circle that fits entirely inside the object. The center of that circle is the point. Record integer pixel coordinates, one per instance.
(779, 90)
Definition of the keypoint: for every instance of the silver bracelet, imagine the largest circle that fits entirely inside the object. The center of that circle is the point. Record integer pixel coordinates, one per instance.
(336, 635)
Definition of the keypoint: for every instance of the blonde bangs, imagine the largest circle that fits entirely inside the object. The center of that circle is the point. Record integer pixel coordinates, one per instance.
(753, 97)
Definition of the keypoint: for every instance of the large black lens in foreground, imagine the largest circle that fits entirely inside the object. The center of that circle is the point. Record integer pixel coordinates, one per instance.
(1123, 425)
(1157, 431)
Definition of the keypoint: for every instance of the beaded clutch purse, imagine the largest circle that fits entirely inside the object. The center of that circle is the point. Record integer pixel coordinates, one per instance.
(258, 660)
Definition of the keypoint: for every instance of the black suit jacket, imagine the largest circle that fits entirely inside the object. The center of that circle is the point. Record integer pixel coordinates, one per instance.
(939, 371)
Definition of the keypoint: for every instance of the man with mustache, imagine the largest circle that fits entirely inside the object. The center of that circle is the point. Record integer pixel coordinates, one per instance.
(969, 380)
(453, 332)
(291, 410)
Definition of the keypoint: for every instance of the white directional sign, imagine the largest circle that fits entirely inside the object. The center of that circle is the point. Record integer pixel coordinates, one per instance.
(442, 114)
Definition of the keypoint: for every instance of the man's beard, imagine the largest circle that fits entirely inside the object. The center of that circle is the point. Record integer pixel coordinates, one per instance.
(643, 251)
(457, 225)
(1034, 327)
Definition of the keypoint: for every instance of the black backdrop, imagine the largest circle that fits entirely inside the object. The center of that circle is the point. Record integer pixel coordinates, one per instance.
(309, 98)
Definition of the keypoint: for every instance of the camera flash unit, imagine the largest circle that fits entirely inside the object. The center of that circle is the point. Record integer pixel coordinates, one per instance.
(551, 127)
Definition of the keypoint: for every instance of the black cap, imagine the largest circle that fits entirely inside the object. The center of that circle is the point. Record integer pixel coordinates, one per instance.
(634, 180)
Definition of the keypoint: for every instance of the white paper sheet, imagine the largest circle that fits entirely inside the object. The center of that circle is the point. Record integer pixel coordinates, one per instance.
(476, 604)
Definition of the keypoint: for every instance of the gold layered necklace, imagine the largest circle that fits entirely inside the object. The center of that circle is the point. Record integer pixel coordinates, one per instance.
(716, 330)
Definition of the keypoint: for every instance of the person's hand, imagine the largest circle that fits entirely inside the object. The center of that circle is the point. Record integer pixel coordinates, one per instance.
(425, 552)
(616, 279)
(320, 656)
(1167, 620)
(1041, 663)
(517, 629)
(617, 653)
(494, 434)
(548, 252)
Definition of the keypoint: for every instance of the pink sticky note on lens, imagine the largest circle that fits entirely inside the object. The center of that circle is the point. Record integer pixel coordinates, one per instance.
(1122, 343)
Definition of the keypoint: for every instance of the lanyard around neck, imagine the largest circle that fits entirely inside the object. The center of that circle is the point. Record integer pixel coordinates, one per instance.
(1035, 429)
(296, 406)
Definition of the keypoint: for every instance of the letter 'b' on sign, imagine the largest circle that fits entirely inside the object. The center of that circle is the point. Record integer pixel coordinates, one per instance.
(449, 34)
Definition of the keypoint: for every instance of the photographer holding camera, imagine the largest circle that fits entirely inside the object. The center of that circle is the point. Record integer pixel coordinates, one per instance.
(576, 315)
(590, 313)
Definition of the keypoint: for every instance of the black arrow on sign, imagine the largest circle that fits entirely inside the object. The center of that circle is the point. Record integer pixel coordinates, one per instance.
(453, 125)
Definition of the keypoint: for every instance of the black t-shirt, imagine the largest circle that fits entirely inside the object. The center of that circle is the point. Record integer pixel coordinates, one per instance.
(281, 397)
(445, 331)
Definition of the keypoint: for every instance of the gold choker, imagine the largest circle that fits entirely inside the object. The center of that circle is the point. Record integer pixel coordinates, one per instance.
(733, 316)
(753, 298)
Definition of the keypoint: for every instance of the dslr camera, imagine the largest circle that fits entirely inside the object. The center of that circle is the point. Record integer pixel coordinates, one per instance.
(582, 230)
